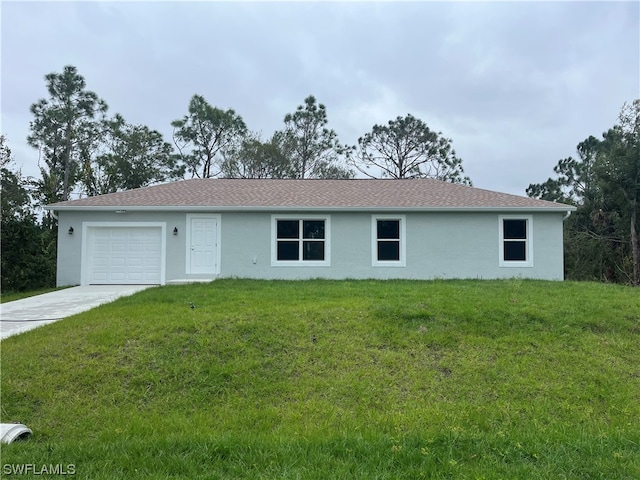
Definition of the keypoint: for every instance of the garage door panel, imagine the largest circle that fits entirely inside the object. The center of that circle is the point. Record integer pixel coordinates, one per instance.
(136, 247)
(125, 255)
(117, 262)
(100, 261)
(101, 246)
(135, 262)
(100, 277)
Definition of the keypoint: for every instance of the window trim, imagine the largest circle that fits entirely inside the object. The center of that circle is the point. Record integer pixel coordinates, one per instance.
(300, 262)
(402, 262)
(528, 241)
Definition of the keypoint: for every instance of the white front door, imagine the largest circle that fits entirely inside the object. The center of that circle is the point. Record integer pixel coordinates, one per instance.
(203, 245)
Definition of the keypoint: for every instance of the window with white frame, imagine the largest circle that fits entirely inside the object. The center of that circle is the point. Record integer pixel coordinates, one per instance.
(300, 241)
(516, 241)
(388, 241)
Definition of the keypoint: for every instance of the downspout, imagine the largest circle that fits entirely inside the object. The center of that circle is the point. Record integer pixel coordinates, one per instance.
(565, 216)
(13, 431)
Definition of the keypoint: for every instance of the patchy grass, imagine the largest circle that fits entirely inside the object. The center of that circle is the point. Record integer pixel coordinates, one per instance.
(12, 296)
(335, 379)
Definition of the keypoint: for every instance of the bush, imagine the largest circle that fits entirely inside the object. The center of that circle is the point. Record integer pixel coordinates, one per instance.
(28, 256)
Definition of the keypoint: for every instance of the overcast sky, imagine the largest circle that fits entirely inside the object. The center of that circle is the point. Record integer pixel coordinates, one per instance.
(515, 85)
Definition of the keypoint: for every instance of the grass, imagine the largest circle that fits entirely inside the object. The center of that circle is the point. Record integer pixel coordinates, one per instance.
(13, 296)
(335, 379)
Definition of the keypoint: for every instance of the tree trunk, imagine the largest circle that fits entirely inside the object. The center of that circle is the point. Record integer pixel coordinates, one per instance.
(635, 245)
(67, 164)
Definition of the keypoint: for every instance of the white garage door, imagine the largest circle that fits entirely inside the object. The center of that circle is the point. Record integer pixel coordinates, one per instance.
(124, 255)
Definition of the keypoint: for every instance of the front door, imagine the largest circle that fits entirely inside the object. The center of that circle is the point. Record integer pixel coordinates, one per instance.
(203, 245)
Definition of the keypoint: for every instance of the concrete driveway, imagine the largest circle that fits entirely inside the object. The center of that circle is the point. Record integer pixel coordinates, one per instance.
(29, 313)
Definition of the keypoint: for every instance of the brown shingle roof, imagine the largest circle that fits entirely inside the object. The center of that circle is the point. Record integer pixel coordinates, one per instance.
(413, 194)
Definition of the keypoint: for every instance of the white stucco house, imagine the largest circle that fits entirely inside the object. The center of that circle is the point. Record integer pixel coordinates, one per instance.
(294, 229)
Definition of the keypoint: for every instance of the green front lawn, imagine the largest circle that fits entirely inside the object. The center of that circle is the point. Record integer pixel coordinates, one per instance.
(335, 379)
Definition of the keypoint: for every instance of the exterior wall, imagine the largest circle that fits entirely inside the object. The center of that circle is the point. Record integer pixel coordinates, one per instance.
(438, 245)
(70, 247)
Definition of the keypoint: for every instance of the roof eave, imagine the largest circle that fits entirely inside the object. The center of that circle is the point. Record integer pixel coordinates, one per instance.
(223, 208)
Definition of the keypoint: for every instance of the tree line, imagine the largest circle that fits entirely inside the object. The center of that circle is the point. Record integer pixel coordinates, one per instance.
(603, 182)
(86, 151)
(83, 151)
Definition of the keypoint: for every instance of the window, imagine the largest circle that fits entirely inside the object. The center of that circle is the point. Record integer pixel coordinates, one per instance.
(515, 241)
(388, 241)
(300, 241)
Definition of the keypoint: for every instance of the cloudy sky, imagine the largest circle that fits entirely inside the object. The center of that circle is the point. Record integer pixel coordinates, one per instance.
(515, 85)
